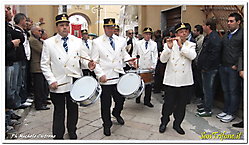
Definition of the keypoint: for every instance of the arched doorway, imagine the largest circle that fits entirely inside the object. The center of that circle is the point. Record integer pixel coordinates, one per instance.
(78, 22)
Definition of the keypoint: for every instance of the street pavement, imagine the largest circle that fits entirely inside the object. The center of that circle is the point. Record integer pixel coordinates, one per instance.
(141, 126)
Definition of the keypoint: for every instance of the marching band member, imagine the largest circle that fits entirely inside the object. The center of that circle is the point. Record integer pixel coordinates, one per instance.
(178, 53)
(147, 50)
(116, 30)
(87, 47)
(109, 52)
(60, 65)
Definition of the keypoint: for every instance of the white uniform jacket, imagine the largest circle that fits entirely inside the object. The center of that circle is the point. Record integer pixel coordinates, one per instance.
(87, 50)
(178, 71)
(60, 66)
(148, 57)
(110, 61)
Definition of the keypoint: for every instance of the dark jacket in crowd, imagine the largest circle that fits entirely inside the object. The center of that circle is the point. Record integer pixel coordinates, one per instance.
(20, 51)
(232, 48)
(159, 44)
(10, 52)
(210, 55)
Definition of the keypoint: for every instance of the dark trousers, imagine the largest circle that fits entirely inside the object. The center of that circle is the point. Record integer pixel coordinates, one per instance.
(109, 91)
(60, 100)
(87, 72)
(40, 90)
(198, 82)
(175, 101)
(147, 97)
(159, 74)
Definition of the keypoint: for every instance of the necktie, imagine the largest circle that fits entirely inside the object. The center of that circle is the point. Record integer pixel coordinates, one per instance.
(87, 44)
(112, 43)
(230, 36)
(146, 44)
(65, 43)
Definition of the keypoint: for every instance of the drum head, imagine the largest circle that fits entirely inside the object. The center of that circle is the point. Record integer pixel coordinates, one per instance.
(83, 88)
(128, 84)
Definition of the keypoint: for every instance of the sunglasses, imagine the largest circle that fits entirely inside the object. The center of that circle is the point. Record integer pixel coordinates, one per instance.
(8, 8)
(130, 33)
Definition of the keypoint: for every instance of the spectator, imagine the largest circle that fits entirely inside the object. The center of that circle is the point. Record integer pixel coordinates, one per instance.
(12, 101)
(20, 62)
(40, 83)
(208, 63)
(232, 48)
(199, 37)
(159, 71)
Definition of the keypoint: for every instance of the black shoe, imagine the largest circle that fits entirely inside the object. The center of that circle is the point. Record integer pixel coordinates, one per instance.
(149, 105)
(22, 107)
(107, 131)
(162, 128)
(119, 119)
(200, 105)
(239, 125)
(13, 122)
(156, 92)
(200, 110)
(137, 100)
(72, 135)
(179, 130)
(15, 116)
(43, 108)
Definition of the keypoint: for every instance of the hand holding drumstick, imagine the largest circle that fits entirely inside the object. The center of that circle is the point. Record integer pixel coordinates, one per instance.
(91, 63)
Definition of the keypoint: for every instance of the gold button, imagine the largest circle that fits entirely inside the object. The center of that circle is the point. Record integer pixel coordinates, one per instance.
(182, 64)
(175, 71)
(173, 58)
(175, 64)
(73, 65)
(182, 71)
(65, 65)
(75, 57)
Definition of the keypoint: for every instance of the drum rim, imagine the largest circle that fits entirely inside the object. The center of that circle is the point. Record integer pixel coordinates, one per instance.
(79, 80)
(120, 80)
(140, 71)
(95, 99)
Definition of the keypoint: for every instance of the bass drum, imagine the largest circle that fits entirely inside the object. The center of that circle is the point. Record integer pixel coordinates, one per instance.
(130, 85)
(86, 91)
(145, 74)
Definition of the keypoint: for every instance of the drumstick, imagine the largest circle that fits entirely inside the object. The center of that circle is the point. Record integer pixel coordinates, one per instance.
(112, 79)
(86, 59)
(63, 84)
(131, 59)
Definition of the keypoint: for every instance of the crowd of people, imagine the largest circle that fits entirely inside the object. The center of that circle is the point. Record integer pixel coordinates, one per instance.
(23, 39)
(184, 65)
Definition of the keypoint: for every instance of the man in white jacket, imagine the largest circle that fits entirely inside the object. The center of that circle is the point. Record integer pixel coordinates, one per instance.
(147, 50)
(178, 53)
(60, 64)
(109, 52)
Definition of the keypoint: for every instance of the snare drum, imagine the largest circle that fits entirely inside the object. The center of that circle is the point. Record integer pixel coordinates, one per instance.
(146, 74)
(130, 85)
(85, 91)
